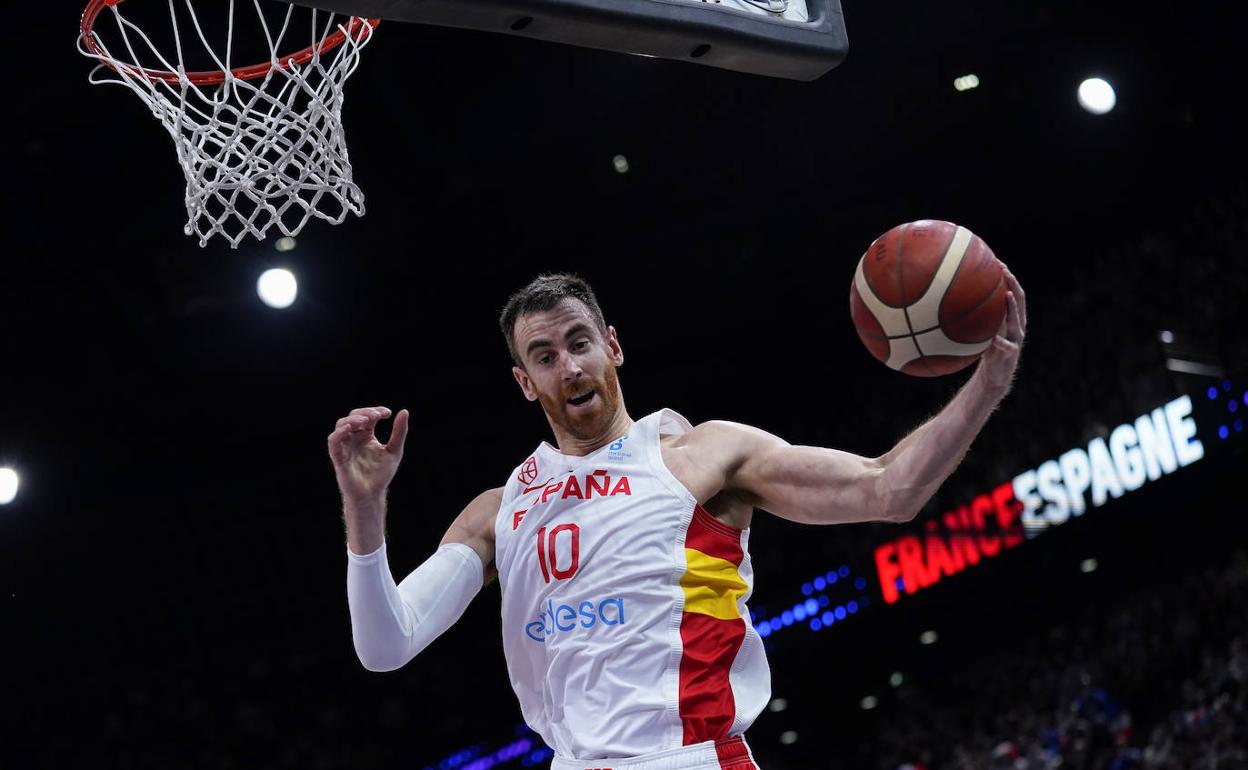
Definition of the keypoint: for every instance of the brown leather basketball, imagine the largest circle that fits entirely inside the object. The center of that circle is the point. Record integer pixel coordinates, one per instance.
(928, 297)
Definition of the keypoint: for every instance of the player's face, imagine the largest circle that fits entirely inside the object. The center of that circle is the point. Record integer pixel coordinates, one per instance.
(569, 366)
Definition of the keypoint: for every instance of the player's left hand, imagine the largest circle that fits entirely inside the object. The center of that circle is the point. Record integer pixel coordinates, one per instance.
(1000, 360)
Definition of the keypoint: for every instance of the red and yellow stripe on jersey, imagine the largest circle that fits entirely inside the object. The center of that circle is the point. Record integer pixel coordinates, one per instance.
(711, 628)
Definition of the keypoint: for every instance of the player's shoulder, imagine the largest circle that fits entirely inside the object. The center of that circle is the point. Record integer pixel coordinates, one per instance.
(484, 507)
(720, 430)
(488, 498)
(724, 438)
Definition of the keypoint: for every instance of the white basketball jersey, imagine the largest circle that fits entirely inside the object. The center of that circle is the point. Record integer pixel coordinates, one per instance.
(624, 603)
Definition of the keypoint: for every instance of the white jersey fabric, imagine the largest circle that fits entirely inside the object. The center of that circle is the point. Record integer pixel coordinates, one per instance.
(624, 603)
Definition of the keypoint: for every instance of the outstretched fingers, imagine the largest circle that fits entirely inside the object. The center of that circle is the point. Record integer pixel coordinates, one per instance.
(1013, 286)
(1013, 319)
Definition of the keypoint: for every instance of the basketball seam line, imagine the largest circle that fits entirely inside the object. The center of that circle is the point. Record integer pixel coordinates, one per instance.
(944, 254)
(905, 310)
(979, 304)
(901, 289)
(900, 336)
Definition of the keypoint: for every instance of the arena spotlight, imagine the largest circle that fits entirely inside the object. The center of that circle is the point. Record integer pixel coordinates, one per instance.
(895, 679)
(1167, 336)
(869, 703)
(1097, 96)
(620, 163)
(285, 243)
(277, 288)
(778, 704)
(9, 482)
(788, 737)
(1087, 565)
(928, 637)
(966, 82)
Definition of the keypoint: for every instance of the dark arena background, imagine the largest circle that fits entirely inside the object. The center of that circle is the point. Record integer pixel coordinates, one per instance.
(173, 554)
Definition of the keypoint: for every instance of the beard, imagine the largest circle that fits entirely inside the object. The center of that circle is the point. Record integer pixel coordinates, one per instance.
(586, 424)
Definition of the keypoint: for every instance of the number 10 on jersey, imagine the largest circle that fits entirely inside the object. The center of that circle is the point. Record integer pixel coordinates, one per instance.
(548, 551)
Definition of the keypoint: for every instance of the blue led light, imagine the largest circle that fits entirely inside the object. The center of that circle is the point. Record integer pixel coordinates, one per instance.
(764, 630)
(860, 583)
(823, 601)
(815, 625)
(1239, 425)
(807, 589)
(852, 607)
(537, 757)
(843, 571)
(1246, 398)
(840, 613)
(786, 618)
(1212, 393)
(831, 577)
(799, 612)
(1223, 432)
(1232, 404)
(900, 584)
(812, 607)
(820, 584)
(1226, 385)
(776, 624)
(828, 618)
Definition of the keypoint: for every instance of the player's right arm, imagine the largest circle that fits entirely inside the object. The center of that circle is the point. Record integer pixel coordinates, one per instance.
(391, 624)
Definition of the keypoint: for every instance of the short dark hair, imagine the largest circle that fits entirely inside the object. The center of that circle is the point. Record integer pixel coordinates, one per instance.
(544, 293)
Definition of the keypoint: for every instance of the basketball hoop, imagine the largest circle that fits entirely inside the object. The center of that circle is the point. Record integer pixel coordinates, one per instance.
(261, 145)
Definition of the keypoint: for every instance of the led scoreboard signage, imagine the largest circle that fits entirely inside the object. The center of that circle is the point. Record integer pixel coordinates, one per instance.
(1048, 495)
(794, 39)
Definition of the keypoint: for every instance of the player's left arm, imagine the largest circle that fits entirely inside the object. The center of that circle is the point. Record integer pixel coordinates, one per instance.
(827, 486)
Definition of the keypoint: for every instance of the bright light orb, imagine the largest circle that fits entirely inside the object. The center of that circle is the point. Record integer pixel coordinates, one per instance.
(620, 163)
(277, 288)
(9, 482)
(1097, 96)
(966, 82)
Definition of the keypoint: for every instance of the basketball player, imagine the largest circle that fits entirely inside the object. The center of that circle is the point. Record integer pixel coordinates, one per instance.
(621, 552)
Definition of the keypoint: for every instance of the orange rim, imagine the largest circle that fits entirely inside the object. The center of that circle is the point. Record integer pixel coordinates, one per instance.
(358, 28)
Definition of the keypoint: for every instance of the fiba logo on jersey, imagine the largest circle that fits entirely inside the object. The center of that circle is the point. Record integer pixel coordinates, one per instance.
(616, 453)
(528, 472)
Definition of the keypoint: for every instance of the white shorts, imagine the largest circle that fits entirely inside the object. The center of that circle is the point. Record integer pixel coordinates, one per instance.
(728, 754)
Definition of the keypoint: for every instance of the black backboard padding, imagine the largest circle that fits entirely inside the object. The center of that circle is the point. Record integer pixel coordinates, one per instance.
(671, 30)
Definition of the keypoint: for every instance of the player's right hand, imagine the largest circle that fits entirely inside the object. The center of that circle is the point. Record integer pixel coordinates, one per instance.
(363, 465)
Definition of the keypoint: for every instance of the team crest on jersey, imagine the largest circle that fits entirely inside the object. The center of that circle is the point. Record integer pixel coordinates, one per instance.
(528, 472)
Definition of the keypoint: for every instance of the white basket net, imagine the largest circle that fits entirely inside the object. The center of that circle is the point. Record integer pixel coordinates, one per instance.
(263, 146)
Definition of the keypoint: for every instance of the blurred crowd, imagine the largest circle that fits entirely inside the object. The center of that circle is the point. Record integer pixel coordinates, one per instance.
(1159, 683)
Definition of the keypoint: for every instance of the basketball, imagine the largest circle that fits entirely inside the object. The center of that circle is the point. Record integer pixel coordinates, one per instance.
(928, 297)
